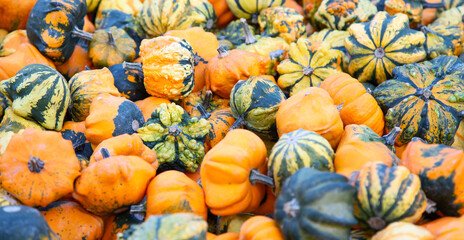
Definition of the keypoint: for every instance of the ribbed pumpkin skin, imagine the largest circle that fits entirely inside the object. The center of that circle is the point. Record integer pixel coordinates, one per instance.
(13, 220)
(378, 46)
(50, 27)
(440, 169)
(403, 231)
(334, 39)
(284, 22)
(248, 9)
(256, 102)
(203, 14)
(339, 15)
(315, 205)
(298, 149)
(39, 93)
(106, 51)
(387, 194)
(168, 66)
(357, 106)
(424, 99)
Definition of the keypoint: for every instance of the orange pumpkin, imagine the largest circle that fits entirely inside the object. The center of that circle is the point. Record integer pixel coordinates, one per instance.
(14, 14)
(207, 99)
(38, 167)
(75, 132)
(446, 228)
(78, 62)
(227, 236)
(267, 204)
(311, 109)
(357, 106)
(223, 13)
(220, 120)
(260, 228)
(70, 221)
(149, 104)
(293, 4)
(173, 192)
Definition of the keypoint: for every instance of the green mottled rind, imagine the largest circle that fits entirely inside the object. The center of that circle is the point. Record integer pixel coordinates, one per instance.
(203, 14)
(435, 119)
(401, 45)
(325, 206)
(366, 134)
(282, 21)
(333, 39)
(298, 149)
(344, 15)
(248, 8)
(39, 93)
(180, 226)
(234, 32)
(256, 100)
(183, 152)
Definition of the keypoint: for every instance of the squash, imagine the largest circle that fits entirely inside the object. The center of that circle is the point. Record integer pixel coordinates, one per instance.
(235, 32)
(446, 228)
(38, 167)
(70, 221)
(226, 236)
(413, 9)
(149, 104)
(207, 99)
(14, 220)
(310, 8)
(376, 50)
(128, 83)
(311, 109)
(4, 104)
(298, 149)
(403, 230)
(223, 13)
(75, 132)
(100, 184)
(118, 223)
(307, 65)
(260, 227)
(221, 120)
(132, 7)
(234, 167)
(294, 5)
(339, 15)
(284, 22)
(424, 100)
(14, 15)
(78, 62)
(232, 223)
(315, 205)
(16, 52)
(333, 39)
(387, 194)
(54, 27)
(177, 138)
(251, 9)
(92, 5)
(203, 14)
(85, 86)
(255, 102)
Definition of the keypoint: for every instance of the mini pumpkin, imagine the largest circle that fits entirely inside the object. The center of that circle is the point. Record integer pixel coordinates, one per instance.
(235, 32)
(281, 21)
(208, 101)
(203, 14)
(231, 223)
(446, 228)
(221, 120)
(333, 39)
(78, 62)
(128, 83)
(339, 15)
(132, 7)
(403, 230)
(251, 9)
(15, 14)
(149, 104)
(223, 13)
(260, 227)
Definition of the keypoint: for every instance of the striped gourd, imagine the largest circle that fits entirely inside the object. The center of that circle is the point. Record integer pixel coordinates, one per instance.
(387, 194)
(378, 46)
(251, 9)
(339, 15)
(298, 149)
(203, 14)
(39, 93)
(449, 4)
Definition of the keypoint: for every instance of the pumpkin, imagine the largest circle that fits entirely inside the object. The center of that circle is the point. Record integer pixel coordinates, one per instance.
(38, 175)
(204, 45)
(459, 137)
(119, 223)
(439, 169)
(284, 22)
(339, 15)
(232, 223)
(357, 106)
(223, 13)
(75, 132)
(307, 65)
(149, 104)
(387, 194)
(39, 93)
(100, 184)
(127, 145)
(53, 26)
(413, 9)
(333, 39)
(376, 50)
(203, 14)
(207, 99)
(251, 9)
(224, 70)
(177, 138)
(128, 83)
(234, 167)
(235, 32)
(317, 205)
(78, 62)
(445, 228)
(227, 236)
(14, 220)
(221, 120)
(310, 8)
(85, 86)
(181, 226)
(111, 46)
(111, 116)
(255, 102)
(403, 230)
(17, 52)
(359, 145)
(424, 100)
(70, 221)
(298, 149)
(173, 192)
(15, 14)
(294, 5)
(131, 7)
(311, 109)
(260, 227)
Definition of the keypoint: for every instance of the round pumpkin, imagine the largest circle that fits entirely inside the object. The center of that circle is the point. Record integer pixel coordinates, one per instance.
(251, 9)
(221, 120)
(118, 223)
(208, 101)
(260, 227)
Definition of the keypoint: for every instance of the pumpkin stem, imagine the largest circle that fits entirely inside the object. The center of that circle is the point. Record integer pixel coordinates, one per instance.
(105, 153)
(276, 54)
(257, 177)
(76, 32)
(292, 208)
(174, 130)
(376, 223)
(204, 114)
(137, 67)
(111, 40)
(140, 208)
(209, 24)
(431, 206)
(207, 99)
(35, 164)
(432, 5)
(249, 38)
(222, 52)
(240, 121)
(390, 138)
(308, 70)
(379, 52)
(340, 106)
(87, 68)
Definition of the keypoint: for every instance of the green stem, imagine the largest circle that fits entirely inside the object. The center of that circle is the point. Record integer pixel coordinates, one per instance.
(76, 32)
(222, 52)
(390, 138)
(249, 38)
(203, 112)
(257, 177)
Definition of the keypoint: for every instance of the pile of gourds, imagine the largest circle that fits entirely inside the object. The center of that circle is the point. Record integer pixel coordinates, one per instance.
(231, 119)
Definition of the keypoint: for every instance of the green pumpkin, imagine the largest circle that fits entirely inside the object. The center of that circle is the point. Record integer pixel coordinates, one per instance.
(177, 138)
(284, 22)
(424, 99)
(21, 222)
(315, 205)
(250, 9)
(54, 25)
(39, 93)
(235, 33)
(203, 14)
(255, 102)
(378, 46)
(298, 149)
(128, 83)
(180, 226)
(339, 15)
